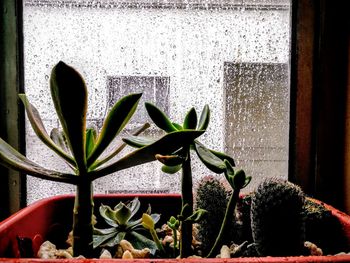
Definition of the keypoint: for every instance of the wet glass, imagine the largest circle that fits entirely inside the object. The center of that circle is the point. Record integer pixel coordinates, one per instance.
(232, 55)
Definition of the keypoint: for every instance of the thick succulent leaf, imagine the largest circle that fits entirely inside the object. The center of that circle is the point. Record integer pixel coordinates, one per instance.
(106, 231)
(140, 241)
(115, 121)
(69, 94)
(212, 162)
(171, 169)
(108, 215)
(59, 138)
(138, 141)
(99, 239)
(122, 215)
(134, 205)
(223, 156)
(91, 136)
(116, 240)
(39, 129)
(190, 121)
(178, 126)
(168, 144)
(119, 147)
(159, 118)
(204, 118)
(170, 160)
(147, 221)
(11, 158)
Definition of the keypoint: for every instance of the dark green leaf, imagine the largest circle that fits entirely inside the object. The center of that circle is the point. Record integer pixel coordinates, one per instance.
(159, 118)
(137, 141)
(171, 169)
(69, 95)
(140, 241)
(108, 215)
(177, 126)
(40, 131)
(91, 136)
(212, 162)
(116, 120)
(11, 158)
(223, 157)
(190, 121)
(105, 238)
(119, 147)
(204, 118)
(165, 145)
(116, 240)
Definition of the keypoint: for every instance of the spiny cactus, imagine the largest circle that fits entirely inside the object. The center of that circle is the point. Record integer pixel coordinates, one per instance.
(213, 197)
(323, 229)
(277, 218)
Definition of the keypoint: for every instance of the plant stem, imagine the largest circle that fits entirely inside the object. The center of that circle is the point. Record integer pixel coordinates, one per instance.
(175, 241)
(82, 219)
(227, 221)
(157, 241)
(187, 200)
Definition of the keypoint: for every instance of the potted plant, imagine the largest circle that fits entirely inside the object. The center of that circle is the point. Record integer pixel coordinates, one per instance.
(81, 148)
(262, 217)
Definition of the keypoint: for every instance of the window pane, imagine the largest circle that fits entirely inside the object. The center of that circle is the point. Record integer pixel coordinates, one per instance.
(232, 55)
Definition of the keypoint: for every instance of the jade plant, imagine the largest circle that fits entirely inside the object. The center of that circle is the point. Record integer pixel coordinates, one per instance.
(123, 225)
(84, 150)
(180, 159)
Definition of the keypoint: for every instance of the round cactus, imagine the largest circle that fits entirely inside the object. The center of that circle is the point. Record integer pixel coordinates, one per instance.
(277, 218)
(213, 197)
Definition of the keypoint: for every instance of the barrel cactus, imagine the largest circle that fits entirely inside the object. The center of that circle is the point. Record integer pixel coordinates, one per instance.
(277, 218)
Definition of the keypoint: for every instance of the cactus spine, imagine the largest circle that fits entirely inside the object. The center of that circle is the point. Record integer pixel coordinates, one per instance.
(277, 218)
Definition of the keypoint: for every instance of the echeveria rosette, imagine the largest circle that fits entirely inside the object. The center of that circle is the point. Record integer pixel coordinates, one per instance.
(123, 225)
(81, 148)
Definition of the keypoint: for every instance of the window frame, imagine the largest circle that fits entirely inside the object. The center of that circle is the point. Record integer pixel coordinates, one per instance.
(314, 70)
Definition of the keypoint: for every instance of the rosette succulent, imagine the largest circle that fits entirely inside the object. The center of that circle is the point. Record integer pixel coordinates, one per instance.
(124, 225)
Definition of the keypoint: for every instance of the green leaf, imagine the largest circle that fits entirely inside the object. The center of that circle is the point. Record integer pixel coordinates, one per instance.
(177, 126)
(69, 95)
(108, 215)
(39, 129)
(140, 241)
(91, 136)
(204, 118)
(116, 240)
(212, 162)
(138, 141)
(223, 157)
(114, 123)
(100, 238)
(118, 148)
(171, 169)
(165, 145)
(122, 214)
(159, 118)
(59, 138)
(190, 121)
(11, 158)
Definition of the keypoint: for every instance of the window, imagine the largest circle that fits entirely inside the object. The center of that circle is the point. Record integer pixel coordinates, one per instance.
(154, 90)
(186, 51)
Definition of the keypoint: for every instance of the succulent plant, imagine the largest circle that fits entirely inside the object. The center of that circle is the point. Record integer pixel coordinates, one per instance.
(181, 160)
(82, 149)
(277, 218)
(237, 180)
(213, 197)
(123, 225)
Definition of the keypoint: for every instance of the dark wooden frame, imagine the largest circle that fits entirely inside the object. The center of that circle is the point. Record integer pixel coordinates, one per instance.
(12, 183)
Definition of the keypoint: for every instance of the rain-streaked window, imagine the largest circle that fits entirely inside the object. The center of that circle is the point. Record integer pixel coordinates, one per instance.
(233, 55)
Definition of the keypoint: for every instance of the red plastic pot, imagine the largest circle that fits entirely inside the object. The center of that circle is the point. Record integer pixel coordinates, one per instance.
(50, 219)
